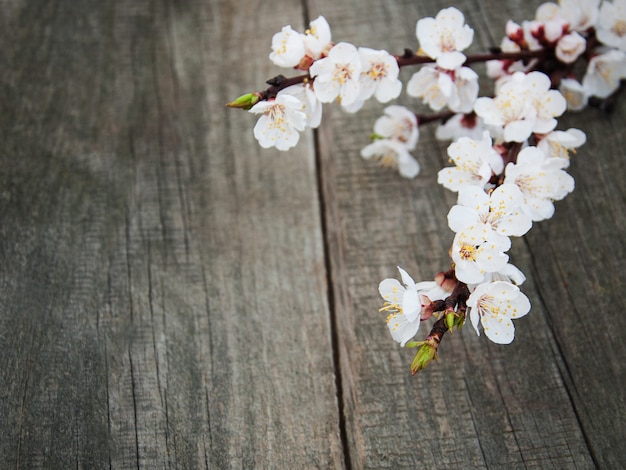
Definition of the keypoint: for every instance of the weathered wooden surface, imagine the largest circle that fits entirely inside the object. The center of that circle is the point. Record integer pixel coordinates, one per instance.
(172, 296)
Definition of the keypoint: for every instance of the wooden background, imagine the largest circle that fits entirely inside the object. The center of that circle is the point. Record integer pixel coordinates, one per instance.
(173, 296)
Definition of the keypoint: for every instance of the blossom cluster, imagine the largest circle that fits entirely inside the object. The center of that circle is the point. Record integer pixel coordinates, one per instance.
(508, 159)
(338, 72)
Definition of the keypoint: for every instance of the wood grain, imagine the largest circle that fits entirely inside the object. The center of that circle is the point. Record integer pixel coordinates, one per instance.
(173, 296)
(163, 289)
(546, 400)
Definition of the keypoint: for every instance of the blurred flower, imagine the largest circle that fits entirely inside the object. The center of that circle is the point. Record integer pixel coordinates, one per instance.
(337, 75)
(443, 37)
(611, 27)
(604, 73)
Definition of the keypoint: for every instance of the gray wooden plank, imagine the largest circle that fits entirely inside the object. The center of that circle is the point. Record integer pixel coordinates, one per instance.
(546, 400)
(163, 293)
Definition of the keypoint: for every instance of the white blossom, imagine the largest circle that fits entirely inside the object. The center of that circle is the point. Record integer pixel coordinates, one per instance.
(574, 94)
(293, 49)
(456, 89)
(541, 179)
(379, 75)
(317, 39)
(611, 27)
(443, 37)
(311, 106)
(501, 210)
(523, 105)
(549, 25)
(461, 125)
(281, 119)
(404, 303)
(498, 69)
(337, 75)
(431, 85)
(570, 47)
(495, 305)
(400, 124)
(475, 162)
(579, 14)
(287, 47)
(559, 144)
(392, 154)
(604, 73)
(477, 250)
(509, 273)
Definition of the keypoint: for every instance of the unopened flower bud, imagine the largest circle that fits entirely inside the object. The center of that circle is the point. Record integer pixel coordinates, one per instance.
(570, 47)
(424, 355)
(445, 281)
(514, 32)
(450, 320)
(245, 101)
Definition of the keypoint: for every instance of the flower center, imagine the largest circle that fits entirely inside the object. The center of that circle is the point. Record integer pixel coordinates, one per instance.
(276, 114)
(619, 28)
(468, 252)
(378, 71)
(342, 74)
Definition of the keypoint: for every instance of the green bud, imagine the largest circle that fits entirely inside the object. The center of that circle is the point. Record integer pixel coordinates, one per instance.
(450, 320)
(375, 136)
(459, 321)
(424, 355)
(245, 101)
(413, 344)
